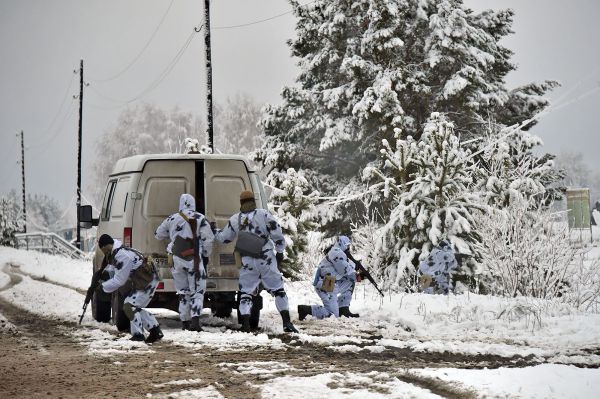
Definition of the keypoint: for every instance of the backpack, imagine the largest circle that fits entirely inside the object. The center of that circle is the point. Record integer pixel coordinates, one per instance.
(248, 243)
(139, 278)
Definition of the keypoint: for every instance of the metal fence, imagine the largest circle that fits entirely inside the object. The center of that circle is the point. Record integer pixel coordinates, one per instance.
(48, 243)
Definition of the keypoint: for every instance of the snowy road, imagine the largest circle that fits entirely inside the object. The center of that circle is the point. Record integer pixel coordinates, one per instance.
(412, 346)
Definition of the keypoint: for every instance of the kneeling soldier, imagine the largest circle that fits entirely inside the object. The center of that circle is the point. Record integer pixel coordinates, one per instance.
(135, 278)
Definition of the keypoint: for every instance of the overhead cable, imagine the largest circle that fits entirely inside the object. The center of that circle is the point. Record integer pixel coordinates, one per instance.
(139, 54)
(260, 20)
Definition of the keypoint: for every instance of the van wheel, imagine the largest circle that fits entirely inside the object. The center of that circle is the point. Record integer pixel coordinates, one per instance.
(222, 311)
(100, 309)
(118, 316)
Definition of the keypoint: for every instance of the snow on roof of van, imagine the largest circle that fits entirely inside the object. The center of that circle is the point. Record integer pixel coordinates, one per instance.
(136, 163)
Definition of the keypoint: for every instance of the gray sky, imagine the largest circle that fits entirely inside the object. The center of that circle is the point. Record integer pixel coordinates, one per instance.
(42, 42)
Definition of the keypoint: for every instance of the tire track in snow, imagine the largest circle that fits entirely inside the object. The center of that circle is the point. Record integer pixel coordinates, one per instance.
(15, 273)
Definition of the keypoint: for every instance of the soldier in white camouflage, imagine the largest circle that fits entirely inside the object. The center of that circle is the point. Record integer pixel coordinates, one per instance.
(336, 296)
(262, 269)
(189, 283)
(434, 271)
(122, 263)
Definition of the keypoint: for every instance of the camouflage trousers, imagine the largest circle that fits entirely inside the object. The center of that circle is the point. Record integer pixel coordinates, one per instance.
(190, 287)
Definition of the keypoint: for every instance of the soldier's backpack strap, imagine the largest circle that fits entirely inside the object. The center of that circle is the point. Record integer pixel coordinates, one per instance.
(193, 225)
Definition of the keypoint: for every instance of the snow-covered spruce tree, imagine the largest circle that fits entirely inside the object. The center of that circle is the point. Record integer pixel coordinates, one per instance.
(507, 169)
(11, 221)
(292, 202)
(369, 67)
(524, 251)
(432, 203)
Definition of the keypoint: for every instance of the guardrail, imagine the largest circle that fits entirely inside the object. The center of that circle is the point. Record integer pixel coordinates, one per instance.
(48, 243)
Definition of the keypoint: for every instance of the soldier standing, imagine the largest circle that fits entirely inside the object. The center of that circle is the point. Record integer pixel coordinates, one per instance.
(137, 280)
(259, 262)
(191, 245)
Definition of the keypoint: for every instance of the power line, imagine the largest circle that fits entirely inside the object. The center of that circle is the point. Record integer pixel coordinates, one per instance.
(137, 57)
(261, 20)
(58, 130)
(61, 104)
(160, 77)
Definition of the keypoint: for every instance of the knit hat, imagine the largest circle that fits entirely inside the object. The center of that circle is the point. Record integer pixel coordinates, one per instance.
(105, 239)
(246, 196)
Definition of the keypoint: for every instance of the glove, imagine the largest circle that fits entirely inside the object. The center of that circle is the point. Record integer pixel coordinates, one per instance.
(205, 261)
(105, 276)
(279, 257)
(99, 288)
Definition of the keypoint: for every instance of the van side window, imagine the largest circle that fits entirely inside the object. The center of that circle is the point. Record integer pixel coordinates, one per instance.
(108, 197)
(119, 198)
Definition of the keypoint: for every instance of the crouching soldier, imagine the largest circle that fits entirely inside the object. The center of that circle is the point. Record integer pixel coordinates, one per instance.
(434, 271)
(135, 278)
(191, 245)
(256, 230)
(334, 282)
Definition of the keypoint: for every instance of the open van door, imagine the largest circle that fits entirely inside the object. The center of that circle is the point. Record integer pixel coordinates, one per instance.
(224, 180)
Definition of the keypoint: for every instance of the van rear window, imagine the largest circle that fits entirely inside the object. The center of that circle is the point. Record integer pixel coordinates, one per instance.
(161, 195)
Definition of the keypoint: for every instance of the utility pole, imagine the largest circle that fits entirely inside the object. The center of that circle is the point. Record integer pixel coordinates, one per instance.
(23, 177)
(78, 243)
(209, 99)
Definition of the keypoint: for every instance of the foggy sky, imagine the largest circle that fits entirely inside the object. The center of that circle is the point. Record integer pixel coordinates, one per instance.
(42, 42)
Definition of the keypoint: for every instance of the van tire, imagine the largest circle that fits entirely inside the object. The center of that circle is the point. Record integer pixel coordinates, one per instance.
(100, 309)
(118, 316)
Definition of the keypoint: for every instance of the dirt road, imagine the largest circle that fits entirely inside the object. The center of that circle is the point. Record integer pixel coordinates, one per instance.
(41, 358)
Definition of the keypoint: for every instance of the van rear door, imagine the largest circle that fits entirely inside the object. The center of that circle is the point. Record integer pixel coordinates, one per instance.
(224, 180)
(161, 184)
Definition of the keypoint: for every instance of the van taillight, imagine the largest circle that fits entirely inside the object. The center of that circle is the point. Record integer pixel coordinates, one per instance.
(160, 286)
(127, 237)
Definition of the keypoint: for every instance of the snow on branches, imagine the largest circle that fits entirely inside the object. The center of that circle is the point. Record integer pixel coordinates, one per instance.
(11, 221)
(436, 203)
(292, 202)
(524, 251)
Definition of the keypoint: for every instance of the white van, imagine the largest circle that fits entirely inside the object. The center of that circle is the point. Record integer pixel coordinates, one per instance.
(143, 190)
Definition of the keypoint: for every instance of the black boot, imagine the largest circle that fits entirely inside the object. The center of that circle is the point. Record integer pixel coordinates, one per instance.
(245, 322)
(195, 324)
(155, 335)
(303, 311)
(185, 325)
(287, 323)
(137, 337)
(345, 311)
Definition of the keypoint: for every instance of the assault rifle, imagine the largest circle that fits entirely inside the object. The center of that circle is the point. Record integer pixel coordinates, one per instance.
(90, 292)
(364, 272)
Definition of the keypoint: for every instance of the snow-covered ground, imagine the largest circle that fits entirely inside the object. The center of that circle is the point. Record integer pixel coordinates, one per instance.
(551, 333)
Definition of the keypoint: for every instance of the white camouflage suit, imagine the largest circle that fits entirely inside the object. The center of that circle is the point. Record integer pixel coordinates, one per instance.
(190, 287)
(257, 270)
(337, 264)
(122, 263)
(439, 264)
